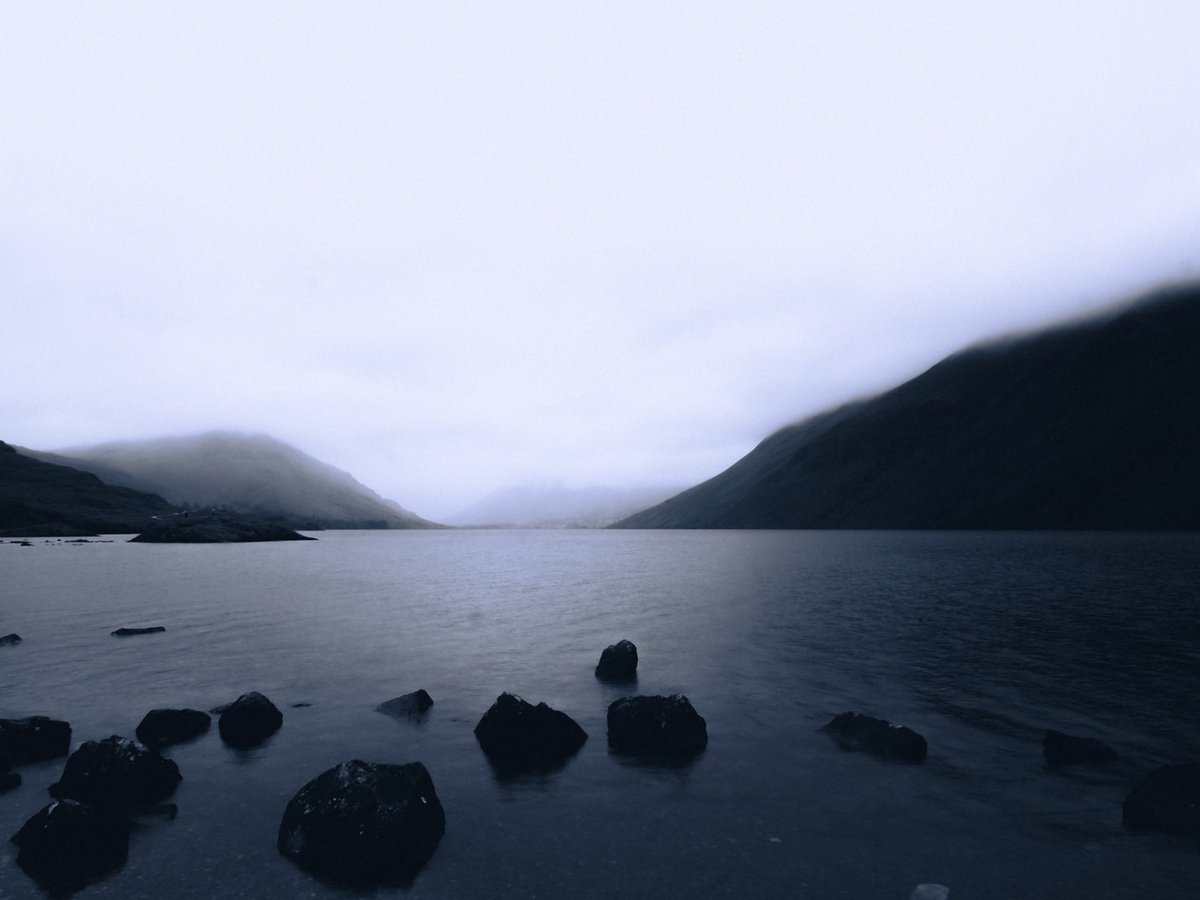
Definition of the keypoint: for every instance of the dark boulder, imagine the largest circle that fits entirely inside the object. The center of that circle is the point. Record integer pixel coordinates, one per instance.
(130, 632)
(33, 739)
(13, 638)
(116, 773)
(364, 823)
(857, 732)
(68, 844)
(249, 720)
(161, 727)
(618, 662)
(1168, 799)
(656, 725)
(1067, 750)
(407, 705)
(518, 736)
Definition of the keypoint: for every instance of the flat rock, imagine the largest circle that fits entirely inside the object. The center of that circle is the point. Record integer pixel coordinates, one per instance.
(249, 720)
(33, 739)
(68, 844)
(117, 773)
(1168, 799)
(162, 727)
(407, 705)
(518, 736)
(618, 662)
(876, 736)
(215, 527)
(7, 640)
(1067, 750)
(364, 823)
(656, 725)
(131, 632)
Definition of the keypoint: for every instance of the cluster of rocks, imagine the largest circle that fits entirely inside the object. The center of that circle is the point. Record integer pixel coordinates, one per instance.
(84, 832)
(1166, 800)
(363, 824)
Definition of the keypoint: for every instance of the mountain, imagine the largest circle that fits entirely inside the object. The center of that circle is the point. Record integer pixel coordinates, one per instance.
(41, 499)
(253, 474)
(1094, 425)
(557, 506)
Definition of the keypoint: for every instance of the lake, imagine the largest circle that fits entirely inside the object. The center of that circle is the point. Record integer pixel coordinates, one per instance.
(979, 641)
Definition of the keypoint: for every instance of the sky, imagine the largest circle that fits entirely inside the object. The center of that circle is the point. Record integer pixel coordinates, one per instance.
(452, 247)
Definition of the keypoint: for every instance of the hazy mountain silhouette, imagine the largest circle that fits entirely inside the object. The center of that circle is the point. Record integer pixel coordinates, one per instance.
(252, 474)
(1094, 425)
(38, 498)
(558, 506)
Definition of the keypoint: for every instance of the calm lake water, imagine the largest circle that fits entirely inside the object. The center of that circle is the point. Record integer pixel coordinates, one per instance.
(979, 641)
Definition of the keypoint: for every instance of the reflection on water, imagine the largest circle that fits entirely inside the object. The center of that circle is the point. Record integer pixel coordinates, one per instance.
(977, 641)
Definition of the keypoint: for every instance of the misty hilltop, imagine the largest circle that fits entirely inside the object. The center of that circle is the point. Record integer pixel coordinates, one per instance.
(42, 499)
(1093, 425)
(252, 474)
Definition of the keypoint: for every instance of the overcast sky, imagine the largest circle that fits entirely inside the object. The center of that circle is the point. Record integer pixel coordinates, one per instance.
(449, 247)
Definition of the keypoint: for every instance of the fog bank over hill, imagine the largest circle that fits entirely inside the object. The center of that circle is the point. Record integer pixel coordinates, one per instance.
(558, 506)
(1090, 425)
(254, 474)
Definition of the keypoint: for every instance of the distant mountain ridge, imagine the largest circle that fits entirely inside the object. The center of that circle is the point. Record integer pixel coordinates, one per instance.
(558, 506)
(1094, 425)
(42, 499)
(252, 474)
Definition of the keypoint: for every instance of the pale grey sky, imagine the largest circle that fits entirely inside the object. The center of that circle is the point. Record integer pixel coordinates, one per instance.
(452, 246)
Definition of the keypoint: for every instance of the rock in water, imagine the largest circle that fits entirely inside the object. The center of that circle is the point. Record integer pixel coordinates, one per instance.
(13, 638)
(1168, 799)
(130, 632)
(407, 705)
(1066, 750)
(116, 773)
(68, 844)
(518, 736)
(656, 725)
(857, 732)
(364, 823)
(161, 727)
(215, 527)
(249, 720)
(618, 662)
(33, 739)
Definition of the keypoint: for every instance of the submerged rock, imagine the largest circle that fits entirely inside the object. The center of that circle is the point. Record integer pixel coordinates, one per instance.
(618, 662)
(364, 823)
(117, 773)
(130, 632)
(656, 725)
(407, 705)
(518, 736)
(1168, 799)
(33, 739)
(858, 732)
(67, 844)
(1066, 750)
(9, 639)
(161, 727)
(249, 720)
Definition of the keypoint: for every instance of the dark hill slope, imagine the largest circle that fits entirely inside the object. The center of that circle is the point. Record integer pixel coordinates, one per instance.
(255, 475)
(38, 498)
(1090, 426)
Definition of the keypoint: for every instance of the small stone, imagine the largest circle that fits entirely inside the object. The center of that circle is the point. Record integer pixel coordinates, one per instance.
(876, 736)
(518, 736)
(656, 725)
(249, 720)
(116, 773)
(618, 662)
(67, 844)
(33, 739)
(130, 632)
(162, 727)
(9, 639)
(407, 705)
